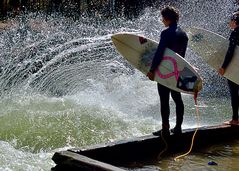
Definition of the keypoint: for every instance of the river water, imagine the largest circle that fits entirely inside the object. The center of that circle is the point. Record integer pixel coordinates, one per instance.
(64, 85)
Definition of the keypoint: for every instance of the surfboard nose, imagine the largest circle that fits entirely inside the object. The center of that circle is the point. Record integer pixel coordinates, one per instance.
(119, 37)
(124, 36)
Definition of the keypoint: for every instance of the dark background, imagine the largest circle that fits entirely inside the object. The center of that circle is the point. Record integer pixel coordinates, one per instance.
(107, 8)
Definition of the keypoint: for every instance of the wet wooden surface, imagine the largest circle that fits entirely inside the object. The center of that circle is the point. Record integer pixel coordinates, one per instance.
(147, 148)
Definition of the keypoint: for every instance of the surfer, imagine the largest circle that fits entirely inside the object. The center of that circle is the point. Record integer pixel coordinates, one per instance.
(233, 87)
(175, 39)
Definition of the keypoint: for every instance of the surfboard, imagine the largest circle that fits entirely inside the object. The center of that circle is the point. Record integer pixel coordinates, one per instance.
(173, 72)
(212, 48)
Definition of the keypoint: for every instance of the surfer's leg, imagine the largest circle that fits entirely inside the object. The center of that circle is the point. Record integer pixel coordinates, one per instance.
(233, 87)
(164, 105)
(179, 108)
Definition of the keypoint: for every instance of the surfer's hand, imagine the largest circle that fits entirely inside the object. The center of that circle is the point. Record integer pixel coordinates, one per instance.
(196, 69)
(221, 71)
(150, 75)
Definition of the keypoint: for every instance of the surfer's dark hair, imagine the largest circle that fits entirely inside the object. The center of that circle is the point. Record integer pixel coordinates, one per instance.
(170, 13)
(235, 17)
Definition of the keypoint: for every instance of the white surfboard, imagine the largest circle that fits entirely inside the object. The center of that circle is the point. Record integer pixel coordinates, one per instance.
(173, 72)
(212, 48)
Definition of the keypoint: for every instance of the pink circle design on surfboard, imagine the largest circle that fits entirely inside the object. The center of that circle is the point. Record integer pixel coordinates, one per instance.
(174, 73)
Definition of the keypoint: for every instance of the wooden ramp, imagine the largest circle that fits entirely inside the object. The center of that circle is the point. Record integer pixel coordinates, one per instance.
(121, 154)
(73, 161)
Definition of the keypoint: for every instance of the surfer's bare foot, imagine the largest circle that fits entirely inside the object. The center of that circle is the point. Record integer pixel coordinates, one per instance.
(234, 122)
(162, 132)
(176, 130)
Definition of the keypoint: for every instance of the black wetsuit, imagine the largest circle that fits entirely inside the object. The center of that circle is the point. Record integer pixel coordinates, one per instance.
(233, 87)
(174, 38)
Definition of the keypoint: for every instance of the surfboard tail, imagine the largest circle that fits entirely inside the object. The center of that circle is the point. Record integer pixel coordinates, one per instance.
(198, 86)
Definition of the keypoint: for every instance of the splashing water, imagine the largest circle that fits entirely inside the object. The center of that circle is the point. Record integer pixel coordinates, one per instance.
(63, 84)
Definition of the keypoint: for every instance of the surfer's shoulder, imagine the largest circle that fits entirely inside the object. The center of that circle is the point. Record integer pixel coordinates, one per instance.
(165, 31)
(234, 34)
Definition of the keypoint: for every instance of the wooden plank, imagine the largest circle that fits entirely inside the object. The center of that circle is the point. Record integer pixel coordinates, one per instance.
(147, 148)
(74, 161)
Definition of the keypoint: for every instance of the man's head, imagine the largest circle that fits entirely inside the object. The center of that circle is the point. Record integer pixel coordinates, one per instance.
(169, 15)
(234, 22)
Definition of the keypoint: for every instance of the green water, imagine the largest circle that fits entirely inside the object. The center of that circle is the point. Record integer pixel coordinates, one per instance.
(32, 128)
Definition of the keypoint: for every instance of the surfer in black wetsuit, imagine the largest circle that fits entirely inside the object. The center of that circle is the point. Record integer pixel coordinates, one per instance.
(233, 87)
(176, 39)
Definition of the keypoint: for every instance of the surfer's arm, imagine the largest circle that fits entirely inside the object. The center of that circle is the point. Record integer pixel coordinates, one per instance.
(160, 51)
(230, 51)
